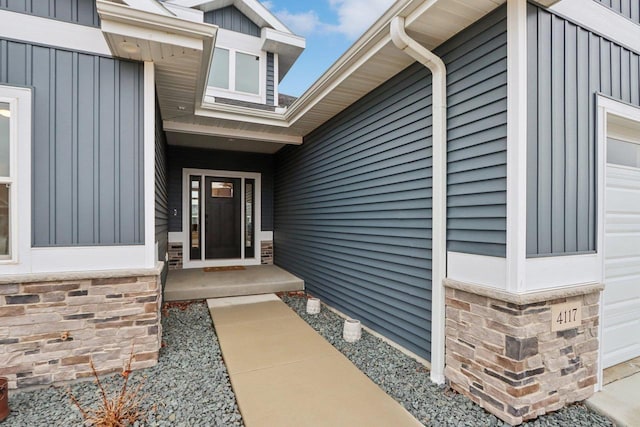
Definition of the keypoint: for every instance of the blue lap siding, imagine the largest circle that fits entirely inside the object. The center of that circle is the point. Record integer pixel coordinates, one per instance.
(353, 203)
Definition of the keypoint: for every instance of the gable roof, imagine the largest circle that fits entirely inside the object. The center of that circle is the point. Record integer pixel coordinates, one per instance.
(252, 9)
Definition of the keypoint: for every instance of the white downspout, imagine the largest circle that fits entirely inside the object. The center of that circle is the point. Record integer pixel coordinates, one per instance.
(439, 197)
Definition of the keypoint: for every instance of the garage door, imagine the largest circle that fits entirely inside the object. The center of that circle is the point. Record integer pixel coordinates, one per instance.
(621, 320)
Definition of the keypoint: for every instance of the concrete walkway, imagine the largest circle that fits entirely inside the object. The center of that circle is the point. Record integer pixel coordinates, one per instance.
(619, 401)
(285, 374)
(195, 283)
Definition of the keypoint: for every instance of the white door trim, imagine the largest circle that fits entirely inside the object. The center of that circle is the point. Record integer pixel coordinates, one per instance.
(186, 245)
(605, 106)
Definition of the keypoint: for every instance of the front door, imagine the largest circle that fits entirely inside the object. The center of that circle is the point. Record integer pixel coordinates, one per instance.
(222, 218)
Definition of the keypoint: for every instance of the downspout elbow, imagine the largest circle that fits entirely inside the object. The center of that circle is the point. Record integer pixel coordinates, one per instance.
(414, 49)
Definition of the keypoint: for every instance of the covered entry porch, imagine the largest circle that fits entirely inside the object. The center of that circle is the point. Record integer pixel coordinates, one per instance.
(217, 282)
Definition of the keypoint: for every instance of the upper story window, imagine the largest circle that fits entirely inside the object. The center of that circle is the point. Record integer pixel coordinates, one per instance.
(235, 71)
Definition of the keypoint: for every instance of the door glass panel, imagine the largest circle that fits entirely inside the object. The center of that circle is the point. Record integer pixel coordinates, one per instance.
(247, 73)
(4, 221)
(195, 223)
(222, 189)
(219, 72)
(249, 206)
(5, 114)
(623, 153)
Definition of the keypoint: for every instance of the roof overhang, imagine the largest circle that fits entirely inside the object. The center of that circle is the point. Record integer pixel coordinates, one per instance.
(288, 47)
(371, 61)
(181, 50)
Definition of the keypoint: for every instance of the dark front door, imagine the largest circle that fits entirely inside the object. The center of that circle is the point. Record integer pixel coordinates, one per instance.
(222, 216)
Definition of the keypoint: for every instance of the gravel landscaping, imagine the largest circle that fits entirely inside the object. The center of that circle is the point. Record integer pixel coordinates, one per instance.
(407, 381)
(190, 385)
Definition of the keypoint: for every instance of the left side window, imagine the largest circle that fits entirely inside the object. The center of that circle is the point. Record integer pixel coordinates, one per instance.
(7, 178)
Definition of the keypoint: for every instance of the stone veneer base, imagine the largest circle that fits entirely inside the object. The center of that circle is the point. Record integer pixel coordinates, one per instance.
(502, 354)
(52, 325)
(176, 254)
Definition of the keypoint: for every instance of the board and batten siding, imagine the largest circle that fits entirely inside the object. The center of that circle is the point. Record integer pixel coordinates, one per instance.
(161, 192)
(568, 66)
(230, 18)
(87, 164)
(81, 12)
(180, 158)
(628, 8)
(271, 79)
(353, 210)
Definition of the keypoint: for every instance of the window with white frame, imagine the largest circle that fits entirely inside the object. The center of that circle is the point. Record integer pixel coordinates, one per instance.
(7, 177)
(235, 71)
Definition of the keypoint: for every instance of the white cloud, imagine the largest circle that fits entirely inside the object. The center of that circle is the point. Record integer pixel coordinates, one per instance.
(303, 23)
(355, 16)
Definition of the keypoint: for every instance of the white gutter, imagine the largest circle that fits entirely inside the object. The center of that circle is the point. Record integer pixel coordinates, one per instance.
(439, 190)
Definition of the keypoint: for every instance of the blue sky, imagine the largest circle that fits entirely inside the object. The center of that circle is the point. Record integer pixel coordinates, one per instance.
(330, 27)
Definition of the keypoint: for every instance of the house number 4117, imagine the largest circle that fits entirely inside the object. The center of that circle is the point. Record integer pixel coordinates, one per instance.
(566, 316)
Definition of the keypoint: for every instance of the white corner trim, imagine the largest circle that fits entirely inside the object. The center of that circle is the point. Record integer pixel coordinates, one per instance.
(516, 145)
(149, 165)
(488, 271)
(50, 32)
(601, 19)
(546, 273)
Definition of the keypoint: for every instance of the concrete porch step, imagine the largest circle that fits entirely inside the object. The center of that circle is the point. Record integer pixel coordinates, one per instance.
(193, 284)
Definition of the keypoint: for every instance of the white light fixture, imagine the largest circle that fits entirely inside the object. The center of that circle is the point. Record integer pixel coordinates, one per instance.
(5, 113)
(313, 306)
(352, 330)
(129, 47)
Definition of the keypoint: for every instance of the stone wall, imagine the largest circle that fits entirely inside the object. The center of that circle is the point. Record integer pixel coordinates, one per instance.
(266, 252)
(51, 327)
(175, 255)
(503, 355)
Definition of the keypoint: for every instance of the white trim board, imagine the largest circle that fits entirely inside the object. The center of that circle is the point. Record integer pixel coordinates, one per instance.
(601, 19)
(516, 146)
(20, 102)
(149, 165)
(50, 32)
(186, 191)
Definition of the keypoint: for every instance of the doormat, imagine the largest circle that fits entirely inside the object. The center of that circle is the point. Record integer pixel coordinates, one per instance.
(232, 268)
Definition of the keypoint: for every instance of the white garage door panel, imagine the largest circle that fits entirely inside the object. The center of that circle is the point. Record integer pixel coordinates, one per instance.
(621, 308)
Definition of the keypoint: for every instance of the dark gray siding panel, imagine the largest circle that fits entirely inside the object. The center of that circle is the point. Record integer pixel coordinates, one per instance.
(270, 79)
(82, 12)
(476, 61)
(572, 64)
(627, 8)
(232, 19)
(87, 144)
(180, 158)
(162, 200)
(353, 210)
